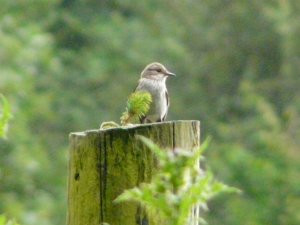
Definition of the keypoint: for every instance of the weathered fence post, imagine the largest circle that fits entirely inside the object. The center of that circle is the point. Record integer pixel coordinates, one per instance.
(103, 163)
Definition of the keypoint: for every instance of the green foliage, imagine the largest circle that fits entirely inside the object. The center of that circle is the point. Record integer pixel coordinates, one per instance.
(68, 65)
(177, 187)
(5, 221)
(138, 104)
(4, 116)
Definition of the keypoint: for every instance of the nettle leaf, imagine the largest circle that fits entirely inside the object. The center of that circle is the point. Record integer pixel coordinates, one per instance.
(178, 186)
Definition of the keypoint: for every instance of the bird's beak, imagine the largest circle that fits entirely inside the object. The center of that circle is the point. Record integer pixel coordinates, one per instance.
(168, 73)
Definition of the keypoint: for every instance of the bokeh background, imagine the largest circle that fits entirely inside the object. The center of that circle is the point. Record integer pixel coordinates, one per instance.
(68, 65)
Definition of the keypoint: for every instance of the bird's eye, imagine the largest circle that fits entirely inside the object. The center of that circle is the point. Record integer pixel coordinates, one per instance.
(159, 70)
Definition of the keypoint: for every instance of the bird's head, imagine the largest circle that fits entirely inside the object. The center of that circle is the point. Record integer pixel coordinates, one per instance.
(156, 71)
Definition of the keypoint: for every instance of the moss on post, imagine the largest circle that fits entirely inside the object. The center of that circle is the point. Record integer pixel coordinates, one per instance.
(103, 163)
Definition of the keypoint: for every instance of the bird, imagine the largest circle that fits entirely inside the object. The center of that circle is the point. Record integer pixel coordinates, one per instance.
(153, 80)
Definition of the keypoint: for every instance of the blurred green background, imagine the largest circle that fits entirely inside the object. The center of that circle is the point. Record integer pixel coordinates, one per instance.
(70, 65)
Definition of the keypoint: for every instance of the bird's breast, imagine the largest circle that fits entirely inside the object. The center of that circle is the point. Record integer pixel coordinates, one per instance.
(159, 105)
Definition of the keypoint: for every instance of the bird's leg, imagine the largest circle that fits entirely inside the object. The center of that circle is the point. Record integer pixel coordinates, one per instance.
(142, 119)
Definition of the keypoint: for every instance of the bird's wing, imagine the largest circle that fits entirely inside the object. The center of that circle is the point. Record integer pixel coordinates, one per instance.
(168, 103)
(168, 99)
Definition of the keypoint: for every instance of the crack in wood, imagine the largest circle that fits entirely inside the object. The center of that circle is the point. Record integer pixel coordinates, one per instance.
(101, 183)
(173, 136)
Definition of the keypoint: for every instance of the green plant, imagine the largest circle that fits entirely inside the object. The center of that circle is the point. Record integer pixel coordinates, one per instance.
(177, 187)
(138, 105)
(4, 116)
(5, 221)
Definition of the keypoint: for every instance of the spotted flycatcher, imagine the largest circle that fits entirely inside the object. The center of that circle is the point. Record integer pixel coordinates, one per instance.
(153, 80)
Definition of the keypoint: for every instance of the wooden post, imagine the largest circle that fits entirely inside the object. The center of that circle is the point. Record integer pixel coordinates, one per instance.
(103, 163)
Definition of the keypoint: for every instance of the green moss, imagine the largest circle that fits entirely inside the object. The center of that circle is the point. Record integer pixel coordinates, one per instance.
(110, 161)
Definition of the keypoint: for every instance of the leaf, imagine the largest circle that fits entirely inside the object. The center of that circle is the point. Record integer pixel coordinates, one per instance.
(5, 116)
(178, 186)
(162, 155)
(5, 221)
(108, 125)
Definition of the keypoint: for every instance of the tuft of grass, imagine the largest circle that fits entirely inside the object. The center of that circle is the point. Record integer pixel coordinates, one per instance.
(138, 104)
